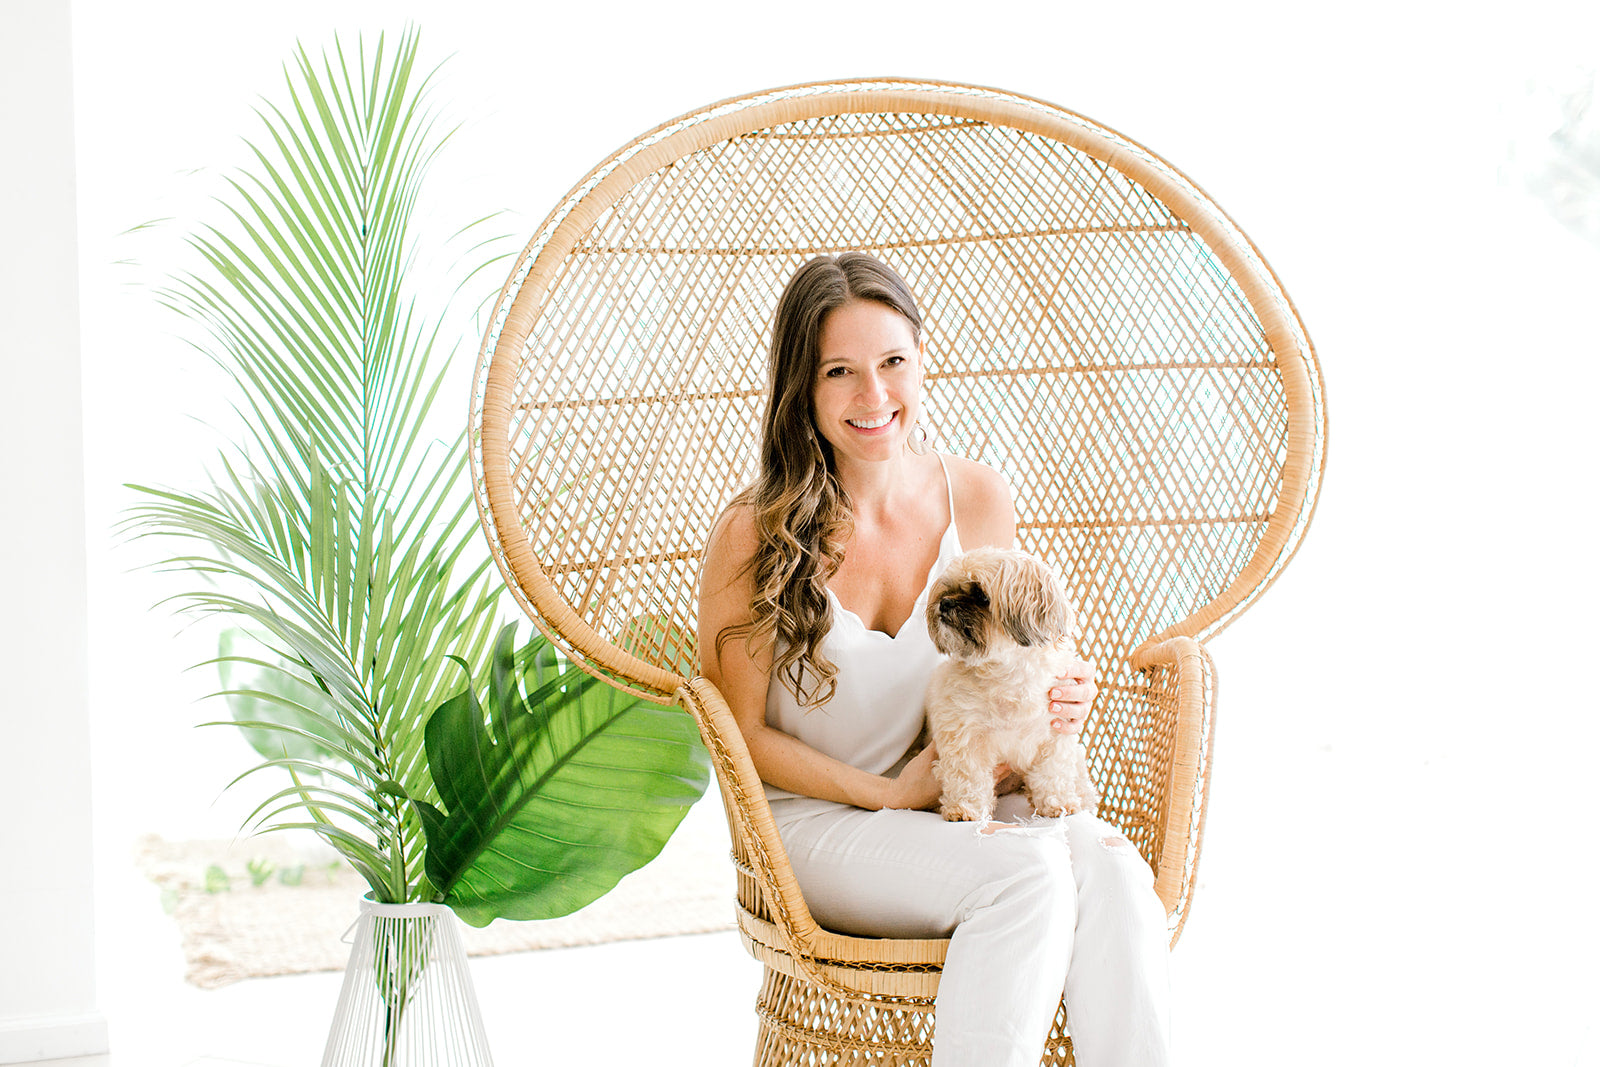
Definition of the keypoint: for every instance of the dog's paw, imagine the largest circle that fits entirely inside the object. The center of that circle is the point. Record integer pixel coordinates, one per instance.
(1056, 804)
(963, 813)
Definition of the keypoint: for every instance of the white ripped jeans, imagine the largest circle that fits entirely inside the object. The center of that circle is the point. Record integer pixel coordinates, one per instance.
(1026, 907)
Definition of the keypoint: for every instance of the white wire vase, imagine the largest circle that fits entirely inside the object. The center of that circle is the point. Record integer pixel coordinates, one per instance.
(407, 999)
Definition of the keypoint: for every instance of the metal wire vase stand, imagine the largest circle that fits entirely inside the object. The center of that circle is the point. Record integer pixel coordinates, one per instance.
(407, 999)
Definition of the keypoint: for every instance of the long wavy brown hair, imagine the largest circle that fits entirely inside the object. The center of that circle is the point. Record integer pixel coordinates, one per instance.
(803, 516)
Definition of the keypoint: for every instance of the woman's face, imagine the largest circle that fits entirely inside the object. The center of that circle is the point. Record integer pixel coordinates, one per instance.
(869, 381)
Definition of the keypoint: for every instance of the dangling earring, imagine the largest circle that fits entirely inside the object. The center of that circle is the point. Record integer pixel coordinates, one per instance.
(918, 441)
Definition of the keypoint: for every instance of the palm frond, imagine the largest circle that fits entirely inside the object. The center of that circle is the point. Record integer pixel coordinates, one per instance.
(339, 528)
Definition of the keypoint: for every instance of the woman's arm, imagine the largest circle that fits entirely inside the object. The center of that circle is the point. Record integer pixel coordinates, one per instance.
(726, 593)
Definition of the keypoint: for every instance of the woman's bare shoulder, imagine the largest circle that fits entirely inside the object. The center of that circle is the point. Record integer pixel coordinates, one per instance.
(985, 514)
(732, 542)
(736, 525)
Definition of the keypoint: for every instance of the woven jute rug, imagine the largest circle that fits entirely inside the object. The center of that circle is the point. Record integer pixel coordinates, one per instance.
(232, 928)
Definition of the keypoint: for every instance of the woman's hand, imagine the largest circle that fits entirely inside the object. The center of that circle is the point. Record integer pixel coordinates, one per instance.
(916, 788)
(1071, 697)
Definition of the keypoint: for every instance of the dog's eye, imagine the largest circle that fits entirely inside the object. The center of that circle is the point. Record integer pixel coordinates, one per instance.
(976, 596)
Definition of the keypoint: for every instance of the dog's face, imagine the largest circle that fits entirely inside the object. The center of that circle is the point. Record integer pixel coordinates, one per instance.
(993, 598)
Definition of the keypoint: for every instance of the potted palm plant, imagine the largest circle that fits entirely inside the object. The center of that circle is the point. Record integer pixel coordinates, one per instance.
(340, 540)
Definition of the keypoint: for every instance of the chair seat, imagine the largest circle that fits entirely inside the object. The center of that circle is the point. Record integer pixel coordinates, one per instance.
(881, 967)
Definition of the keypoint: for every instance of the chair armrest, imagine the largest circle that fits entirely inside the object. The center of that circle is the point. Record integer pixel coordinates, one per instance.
(758, 851)
(774, 921)
(1183, 698)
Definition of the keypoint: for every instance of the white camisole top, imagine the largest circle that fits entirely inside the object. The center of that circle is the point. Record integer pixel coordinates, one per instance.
(876, 712)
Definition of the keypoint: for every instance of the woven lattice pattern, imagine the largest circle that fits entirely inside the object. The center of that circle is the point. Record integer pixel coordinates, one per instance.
(1083, 338)
(1097, 329)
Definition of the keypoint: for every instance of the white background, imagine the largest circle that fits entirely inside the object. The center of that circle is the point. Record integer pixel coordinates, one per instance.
(1400, 844)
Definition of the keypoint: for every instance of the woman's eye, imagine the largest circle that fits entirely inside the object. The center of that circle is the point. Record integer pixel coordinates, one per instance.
(894, 361)
(833, 372)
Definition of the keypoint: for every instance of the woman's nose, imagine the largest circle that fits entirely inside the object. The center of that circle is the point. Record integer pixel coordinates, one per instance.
(872, 390)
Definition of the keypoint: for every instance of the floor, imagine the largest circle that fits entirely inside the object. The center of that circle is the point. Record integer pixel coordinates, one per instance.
(664, 1001)
(528, 1003)
(1329, 934)
(601, 1004)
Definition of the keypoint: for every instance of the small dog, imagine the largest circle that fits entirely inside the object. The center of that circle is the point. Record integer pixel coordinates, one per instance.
(1003, 620)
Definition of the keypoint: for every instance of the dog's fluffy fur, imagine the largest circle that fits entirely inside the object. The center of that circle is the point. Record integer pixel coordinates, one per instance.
(1003, 621)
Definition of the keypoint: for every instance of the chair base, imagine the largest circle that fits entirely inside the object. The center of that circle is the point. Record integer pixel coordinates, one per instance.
(804, 1026)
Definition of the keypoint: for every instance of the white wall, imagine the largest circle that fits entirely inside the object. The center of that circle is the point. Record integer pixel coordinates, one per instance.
(47, 989)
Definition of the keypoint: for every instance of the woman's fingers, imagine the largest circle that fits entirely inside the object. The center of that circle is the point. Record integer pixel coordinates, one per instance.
(1078, 672)
(1077, 677)
(1075, 686)
(1071, 697)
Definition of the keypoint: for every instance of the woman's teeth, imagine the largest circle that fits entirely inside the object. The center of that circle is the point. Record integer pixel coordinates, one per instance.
(871, 424)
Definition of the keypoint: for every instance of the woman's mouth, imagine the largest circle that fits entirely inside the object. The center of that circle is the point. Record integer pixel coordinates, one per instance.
(874, 422)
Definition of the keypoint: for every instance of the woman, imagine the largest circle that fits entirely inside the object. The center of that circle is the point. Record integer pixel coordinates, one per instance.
(811, 626)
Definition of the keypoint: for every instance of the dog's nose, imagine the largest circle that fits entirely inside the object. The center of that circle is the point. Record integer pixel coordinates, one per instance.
(947, 604)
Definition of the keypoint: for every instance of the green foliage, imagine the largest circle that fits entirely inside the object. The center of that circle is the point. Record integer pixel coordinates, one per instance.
(339, 540)
(169, 900)
(217, 880)
(554, 794)
(276, 693)
(339, 532)
(260, 869)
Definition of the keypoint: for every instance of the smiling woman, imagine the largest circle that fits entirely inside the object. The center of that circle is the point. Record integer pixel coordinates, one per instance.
(840, 758)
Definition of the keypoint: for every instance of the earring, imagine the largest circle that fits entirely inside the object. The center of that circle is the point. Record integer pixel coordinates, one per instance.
(918, 442)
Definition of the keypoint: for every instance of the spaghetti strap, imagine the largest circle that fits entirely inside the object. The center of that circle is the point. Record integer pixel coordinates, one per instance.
(950, 497)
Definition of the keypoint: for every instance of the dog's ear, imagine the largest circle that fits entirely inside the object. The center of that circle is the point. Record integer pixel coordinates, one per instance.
(1042, 615)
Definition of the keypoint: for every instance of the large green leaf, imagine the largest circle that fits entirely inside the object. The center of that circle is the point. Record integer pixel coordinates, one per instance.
(554, 795)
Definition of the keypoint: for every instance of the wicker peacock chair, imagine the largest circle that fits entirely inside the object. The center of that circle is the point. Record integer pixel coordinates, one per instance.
(1097, 329)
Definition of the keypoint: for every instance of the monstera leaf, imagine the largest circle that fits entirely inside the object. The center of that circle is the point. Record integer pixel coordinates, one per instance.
(550, 797)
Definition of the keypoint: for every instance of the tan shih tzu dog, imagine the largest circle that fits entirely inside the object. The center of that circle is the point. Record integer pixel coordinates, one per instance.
(1002, 619)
